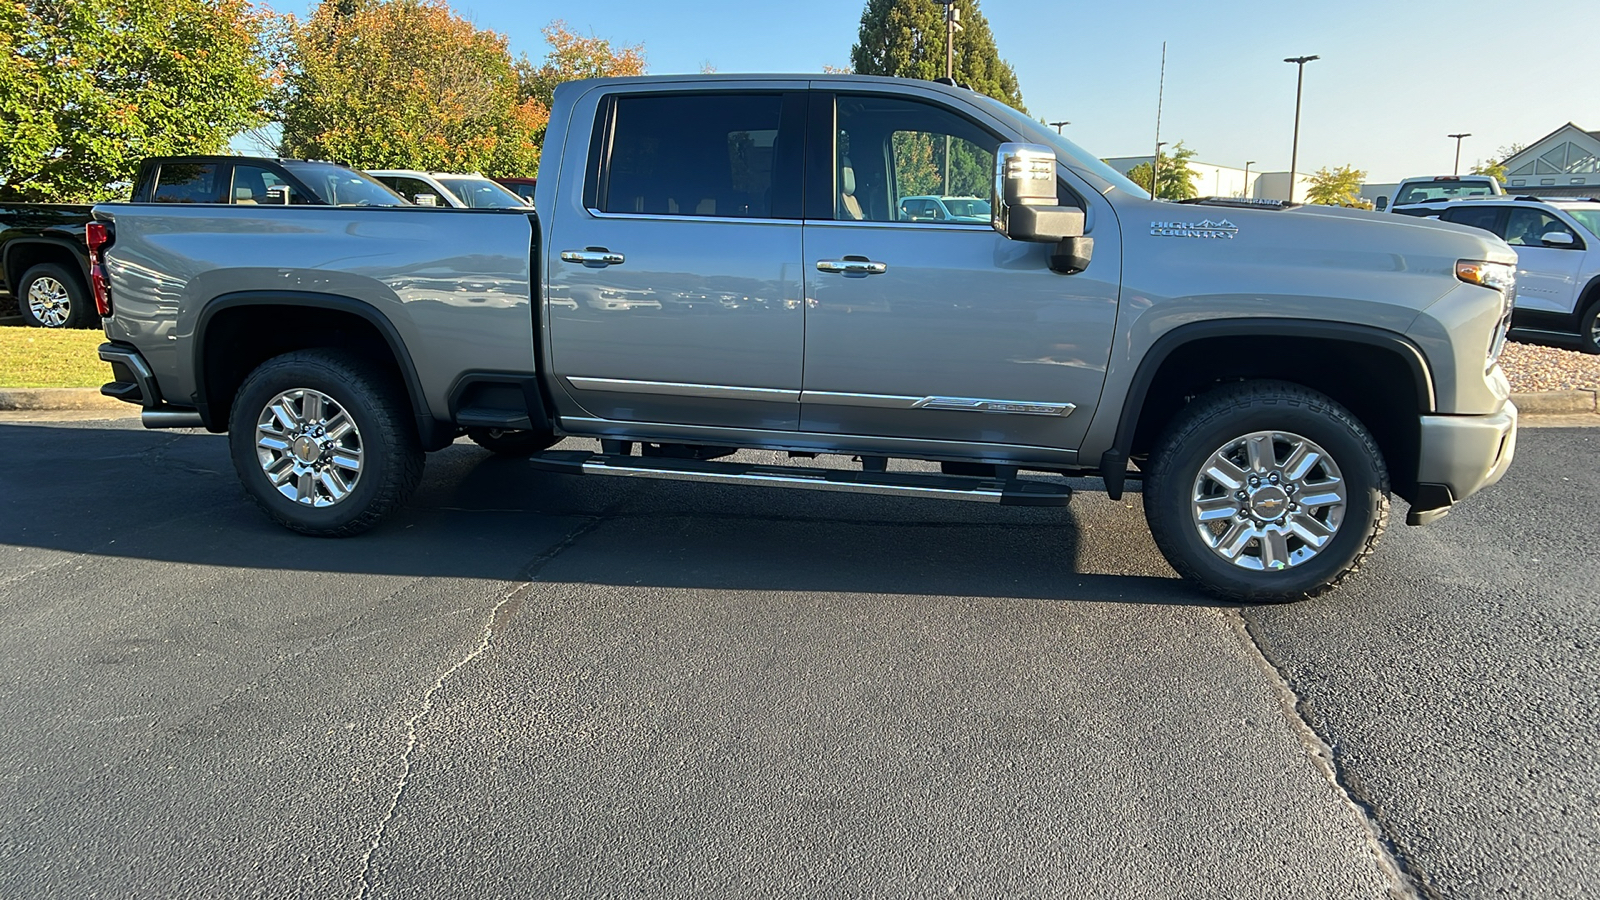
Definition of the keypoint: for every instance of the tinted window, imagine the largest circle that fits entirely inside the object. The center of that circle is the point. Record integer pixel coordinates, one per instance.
(525, 191)
(700, 154)
(188, 183)
(412, 188)
(1484, 217)
(889, 149)
(1526, 227)
(252, 185)
(339, 186)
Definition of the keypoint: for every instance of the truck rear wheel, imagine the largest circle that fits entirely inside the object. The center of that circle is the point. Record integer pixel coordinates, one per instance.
(324, 442)
(1266, 492)
(50, 296)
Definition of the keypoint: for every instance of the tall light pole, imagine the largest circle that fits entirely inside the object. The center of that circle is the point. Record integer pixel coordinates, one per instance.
(1247, 164)
(1059, 124)
(1155, 169)
(1161, 95)
(1294, 154)
(1458, 137)
(952, 24)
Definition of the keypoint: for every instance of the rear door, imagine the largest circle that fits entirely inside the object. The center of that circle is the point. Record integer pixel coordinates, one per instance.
(929, 329)
(673, 275)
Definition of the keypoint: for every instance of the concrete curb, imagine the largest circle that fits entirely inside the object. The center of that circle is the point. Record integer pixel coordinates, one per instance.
(55, 399)
(1542, 403)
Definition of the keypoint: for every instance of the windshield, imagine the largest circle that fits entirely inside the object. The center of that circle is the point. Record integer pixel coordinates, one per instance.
(1441, 190)
(967, 206)
(481, 193)
(1588, 218)
(338, 186)
(1074, 155)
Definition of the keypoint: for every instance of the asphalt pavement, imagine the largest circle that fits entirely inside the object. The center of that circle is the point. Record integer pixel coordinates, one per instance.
(541, 685)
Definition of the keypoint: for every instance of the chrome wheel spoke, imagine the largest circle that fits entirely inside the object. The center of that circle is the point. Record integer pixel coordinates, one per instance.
(311, 407)
(335, 485)
(339, 426)
(1274, 550)
(1310, 530)
(347, 459)
(272, 442)
(1301, 460)
(284, 414)
(1232, 543)
(1225, 473)
(1326, 495)
(1215, 509)
(1258, 450)
(280, 471)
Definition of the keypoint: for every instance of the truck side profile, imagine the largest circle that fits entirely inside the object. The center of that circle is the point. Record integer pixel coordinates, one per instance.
(723, 262)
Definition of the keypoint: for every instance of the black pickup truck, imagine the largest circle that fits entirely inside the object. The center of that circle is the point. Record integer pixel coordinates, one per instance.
(44, 261)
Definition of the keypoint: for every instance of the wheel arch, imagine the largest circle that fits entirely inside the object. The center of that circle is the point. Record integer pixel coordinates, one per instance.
(23, 253)
(253, 326)
(1379, 375)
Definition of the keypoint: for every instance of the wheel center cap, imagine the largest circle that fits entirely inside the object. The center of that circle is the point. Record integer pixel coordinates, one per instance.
(1269, 502)
(306, 449)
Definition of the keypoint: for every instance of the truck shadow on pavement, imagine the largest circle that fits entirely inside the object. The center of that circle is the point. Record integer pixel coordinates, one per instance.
(173, 497)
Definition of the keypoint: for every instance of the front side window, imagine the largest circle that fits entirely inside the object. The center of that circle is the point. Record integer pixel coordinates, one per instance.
(1527, 227)
(1588, 218)
(481, 193)
(338, 186)
(188, 183)
(253, 185)
(700, 154)
(902, 160)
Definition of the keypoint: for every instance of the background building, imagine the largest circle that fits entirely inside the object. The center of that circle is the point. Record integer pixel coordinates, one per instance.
(1563, 163)
(1212, 180)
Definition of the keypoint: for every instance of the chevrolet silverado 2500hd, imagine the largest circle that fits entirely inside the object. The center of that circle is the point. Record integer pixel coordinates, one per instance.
(723, 262)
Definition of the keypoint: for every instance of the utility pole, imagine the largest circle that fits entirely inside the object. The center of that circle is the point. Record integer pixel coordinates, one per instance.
(1458, 137)
(952, 24)
(1161, 93)
(1059, 124)
(1247, 164)
(1294, 154)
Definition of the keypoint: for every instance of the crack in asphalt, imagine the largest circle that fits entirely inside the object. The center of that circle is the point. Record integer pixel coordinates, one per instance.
(498, 616)
(1404, 881)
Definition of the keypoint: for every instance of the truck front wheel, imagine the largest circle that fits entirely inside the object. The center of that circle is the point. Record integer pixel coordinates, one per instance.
(1266, 492)
(323, 442)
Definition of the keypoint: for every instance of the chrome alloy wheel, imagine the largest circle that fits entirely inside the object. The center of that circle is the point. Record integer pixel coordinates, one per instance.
(49, 302)
(1268, 500)
(309, 447)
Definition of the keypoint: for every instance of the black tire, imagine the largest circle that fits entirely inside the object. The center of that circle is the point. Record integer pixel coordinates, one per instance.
(391, 456)
(1589, 329)
(73, 307)
(1208, 425)
(510, 443)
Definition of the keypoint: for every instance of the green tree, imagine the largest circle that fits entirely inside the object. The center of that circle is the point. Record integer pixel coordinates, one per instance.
(1337, 187)
(1496, 165)
(906, 38)
(407, 84)
(90, 87)
(1177, 179)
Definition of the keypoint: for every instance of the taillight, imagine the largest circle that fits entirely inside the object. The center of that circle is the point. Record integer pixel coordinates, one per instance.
(98, 236)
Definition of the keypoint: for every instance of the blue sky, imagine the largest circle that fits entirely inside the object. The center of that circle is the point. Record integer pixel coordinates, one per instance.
(1395, 77)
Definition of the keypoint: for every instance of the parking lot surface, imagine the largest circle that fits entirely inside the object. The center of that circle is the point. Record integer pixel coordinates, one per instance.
(540, 685)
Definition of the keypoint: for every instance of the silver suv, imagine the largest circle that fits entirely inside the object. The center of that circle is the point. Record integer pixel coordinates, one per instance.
(1558, 261)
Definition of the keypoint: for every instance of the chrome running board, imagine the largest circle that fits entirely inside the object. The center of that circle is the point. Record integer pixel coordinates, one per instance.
(1012, 492)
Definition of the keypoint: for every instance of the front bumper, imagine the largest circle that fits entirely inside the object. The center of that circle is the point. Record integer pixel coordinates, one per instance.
(1461, 455)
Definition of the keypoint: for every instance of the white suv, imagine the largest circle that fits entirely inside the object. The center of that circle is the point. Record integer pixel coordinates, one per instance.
(448, 189)
(1558, 261)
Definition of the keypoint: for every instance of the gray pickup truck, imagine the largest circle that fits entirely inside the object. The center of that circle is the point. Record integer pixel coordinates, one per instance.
(722, 262)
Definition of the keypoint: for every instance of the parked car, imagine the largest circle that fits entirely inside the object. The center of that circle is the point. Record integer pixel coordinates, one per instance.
(522, 187)
(1558, 261)
(967, 210)
(446, 189)
(1273, 372)
(1441, 187)
(42, 249)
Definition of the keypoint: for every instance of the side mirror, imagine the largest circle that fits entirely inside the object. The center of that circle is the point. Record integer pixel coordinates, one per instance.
(279, 194)
(1381, 204)
(424, 199)
(1025, 206)
(1557, 239)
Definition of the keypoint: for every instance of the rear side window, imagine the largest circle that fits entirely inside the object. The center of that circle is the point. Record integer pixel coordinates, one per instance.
(1485, 217)
(701, 154)
(188, 183)
(1442, 190)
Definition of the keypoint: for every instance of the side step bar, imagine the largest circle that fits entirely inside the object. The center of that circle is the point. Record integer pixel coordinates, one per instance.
(1014, 492)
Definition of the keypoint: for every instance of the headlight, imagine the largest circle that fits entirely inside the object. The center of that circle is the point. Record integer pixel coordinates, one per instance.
(1503, 278)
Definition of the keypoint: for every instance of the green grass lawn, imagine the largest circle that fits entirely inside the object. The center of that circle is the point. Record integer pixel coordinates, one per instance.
(45, 357)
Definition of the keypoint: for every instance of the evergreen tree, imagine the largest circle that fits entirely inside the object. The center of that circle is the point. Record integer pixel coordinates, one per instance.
(906, 38)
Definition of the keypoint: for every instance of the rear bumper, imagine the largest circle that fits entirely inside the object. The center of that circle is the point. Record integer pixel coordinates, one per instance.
(1461, 455)
(133, 382)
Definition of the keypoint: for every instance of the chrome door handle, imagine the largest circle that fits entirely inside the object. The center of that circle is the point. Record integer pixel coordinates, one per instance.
(852, 265)
(593, 257)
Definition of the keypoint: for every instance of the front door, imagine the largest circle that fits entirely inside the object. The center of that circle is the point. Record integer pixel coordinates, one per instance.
(1547, 277)
(933, 328)
(673, 287)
